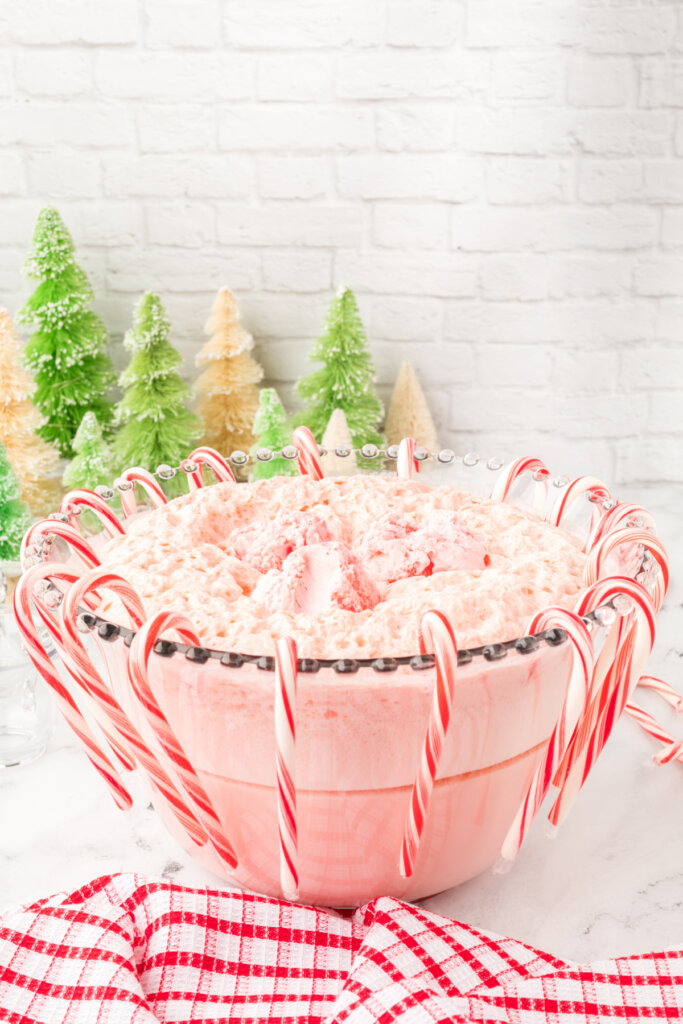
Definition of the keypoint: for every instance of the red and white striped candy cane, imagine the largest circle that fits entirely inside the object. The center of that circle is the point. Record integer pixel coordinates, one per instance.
(618, 669)
(615, 518)
(595, 563)
(285, 742)
(673, 752)
(208, 457)
(406, 463)
(115, 723)
(513, 471)
(77, 662)
(573, 709)
(309, 455)
(138, 673)
(138, 475)
(581, 485)
(438, 634)
(23, 597)
(664, 690)
(55, 528)
(673, 749)
(649, 723)
(82, 498)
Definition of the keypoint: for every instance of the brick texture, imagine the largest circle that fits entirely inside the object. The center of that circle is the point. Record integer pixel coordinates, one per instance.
(500, 183)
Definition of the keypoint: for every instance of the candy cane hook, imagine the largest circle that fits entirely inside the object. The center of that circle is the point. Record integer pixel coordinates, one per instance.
(285, 740)
(406, 463)
(572, 710)
(152, 487)
(138, 673)
(595, 565)
(209, 457)
(581, 485)
(309, 455)
(83, 498)
(513, 471)
(437, 633)
(114, 721)
(618, 668)
(23, 597)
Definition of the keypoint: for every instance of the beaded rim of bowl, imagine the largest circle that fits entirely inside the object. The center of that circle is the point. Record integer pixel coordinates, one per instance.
(110, 631)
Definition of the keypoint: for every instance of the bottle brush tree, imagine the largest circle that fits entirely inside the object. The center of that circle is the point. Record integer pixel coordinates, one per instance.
(34, 460)
(92, 462)
(66, 353)
(409, 414)
(337, 435)
(156, 425)
(271, 430)
(345, 379)
(227, 388)
(14, 513)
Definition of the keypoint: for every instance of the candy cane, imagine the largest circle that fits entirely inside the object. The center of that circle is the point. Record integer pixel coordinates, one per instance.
(115, 723)
(573, 709)
(513, 471)
(621, 515)
(673, 750)
(672, 753)
(650, 724)
(309, 455)
(77, 662)
(208, 457)
(138, 673)
(56, 528)
(437, 633)
(581, 485)
(285, 739)
(23, 596)
(138, 475)
(90, 500)
(618, 669)
(665, 691)
(406, 463)
(595, 564)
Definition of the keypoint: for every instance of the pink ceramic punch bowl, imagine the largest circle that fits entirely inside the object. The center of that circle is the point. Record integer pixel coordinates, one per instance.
(333, 782)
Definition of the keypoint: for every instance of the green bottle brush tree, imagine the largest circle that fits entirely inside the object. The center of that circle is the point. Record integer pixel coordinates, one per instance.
(66, 352)
(156, 425)
(14, 514)
(271, 431)
(92, 462)
(345, 379)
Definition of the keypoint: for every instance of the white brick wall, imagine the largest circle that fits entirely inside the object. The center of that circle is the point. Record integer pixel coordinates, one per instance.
(500, 182)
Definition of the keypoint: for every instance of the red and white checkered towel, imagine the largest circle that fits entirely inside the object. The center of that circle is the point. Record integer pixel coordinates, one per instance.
(124, 950)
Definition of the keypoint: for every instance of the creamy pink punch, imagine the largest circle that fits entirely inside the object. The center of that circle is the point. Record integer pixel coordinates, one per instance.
(347, 567)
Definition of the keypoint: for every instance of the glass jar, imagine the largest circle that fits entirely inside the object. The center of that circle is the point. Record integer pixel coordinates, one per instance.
(26, 708)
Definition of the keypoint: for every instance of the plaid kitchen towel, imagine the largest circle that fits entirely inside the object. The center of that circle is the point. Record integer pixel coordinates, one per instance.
(125, 950)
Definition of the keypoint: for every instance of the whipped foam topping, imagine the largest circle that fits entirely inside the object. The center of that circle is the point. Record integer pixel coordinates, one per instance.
(347, 567)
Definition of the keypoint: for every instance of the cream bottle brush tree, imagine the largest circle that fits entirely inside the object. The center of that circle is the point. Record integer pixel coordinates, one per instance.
(409, 414)
(34, 460)
(227, 388)
(338, 435)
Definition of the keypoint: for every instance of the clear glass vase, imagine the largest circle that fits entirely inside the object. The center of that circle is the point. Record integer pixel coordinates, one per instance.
(26, 708)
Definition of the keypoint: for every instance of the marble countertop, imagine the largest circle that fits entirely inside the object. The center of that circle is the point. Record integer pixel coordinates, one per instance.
(611, 881)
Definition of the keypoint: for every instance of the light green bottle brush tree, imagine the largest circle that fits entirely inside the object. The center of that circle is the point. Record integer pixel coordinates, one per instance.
(66, 354)
(156, 427)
